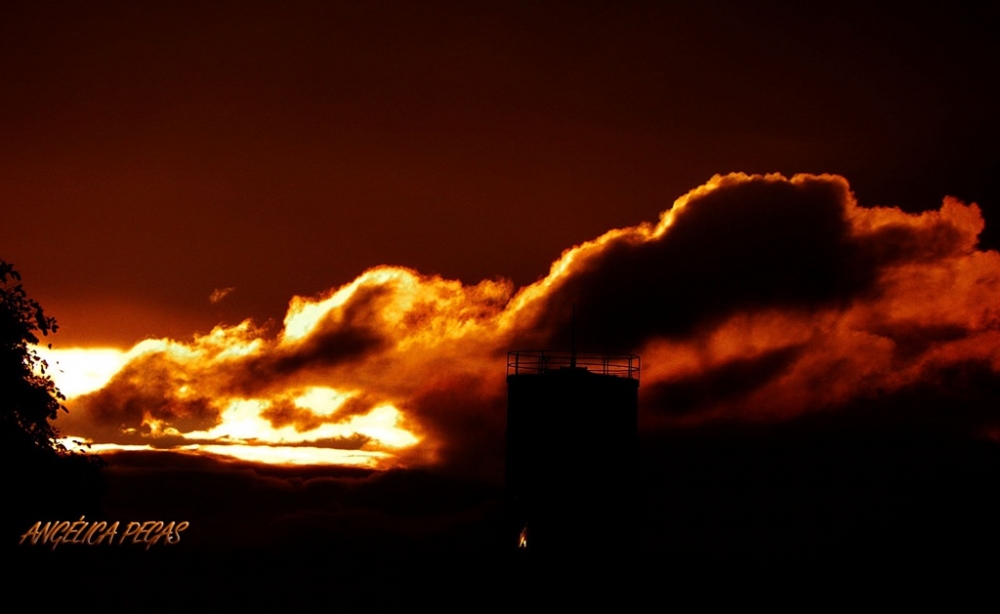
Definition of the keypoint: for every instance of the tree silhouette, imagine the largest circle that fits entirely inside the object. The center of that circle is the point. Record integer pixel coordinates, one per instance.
(31, 396)
(40, 476)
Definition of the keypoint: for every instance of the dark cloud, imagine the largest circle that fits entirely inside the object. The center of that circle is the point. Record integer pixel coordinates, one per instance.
(344, 335)
(285, 413)
(730, 380)
(465, 418)
(151, 386)
(895, 243)
(251, 508)
(749, 244)
(911, 340)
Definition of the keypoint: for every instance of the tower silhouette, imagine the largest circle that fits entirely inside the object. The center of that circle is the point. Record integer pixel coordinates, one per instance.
(571, 447)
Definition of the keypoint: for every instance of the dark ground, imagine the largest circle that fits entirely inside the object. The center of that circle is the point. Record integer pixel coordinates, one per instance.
(765, 508)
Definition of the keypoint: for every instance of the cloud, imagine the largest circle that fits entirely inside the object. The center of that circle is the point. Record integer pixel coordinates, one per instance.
(753, 298)
(737, 244)
(219, 293)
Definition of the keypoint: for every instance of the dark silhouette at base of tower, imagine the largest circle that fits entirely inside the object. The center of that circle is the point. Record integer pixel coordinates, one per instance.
(571, 451)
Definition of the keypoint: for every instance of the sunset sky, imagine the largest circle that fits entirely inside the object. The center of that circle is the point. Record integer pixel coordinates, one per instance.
(309, 232)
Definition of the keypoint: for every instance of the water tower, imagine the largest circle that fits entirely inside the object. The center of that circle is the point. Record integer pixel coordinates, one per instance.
(571, 448)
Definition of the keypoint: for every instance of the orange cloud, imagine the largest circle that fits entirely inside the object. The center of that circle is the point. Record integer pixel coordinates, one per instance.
(752, 298)
(219, 293)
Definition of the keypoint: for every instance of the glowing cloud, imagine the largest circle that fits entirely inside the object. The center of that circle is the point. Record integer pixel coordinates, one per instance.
(752, 298)
(219, 293)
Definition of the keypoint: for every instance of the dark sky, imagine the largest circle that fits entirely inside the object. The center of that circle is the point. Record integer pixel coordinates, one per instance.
(154, 153)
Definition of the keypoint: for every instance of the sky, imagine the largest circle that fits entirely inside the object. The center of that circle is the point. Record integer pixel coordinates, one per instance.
(313, 230)
(156, 154)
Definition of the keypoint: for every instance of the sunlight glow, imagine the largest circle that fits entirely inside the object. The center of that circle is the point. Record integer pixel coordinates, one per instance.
(242, 422)
(77, 371)
(295, 455)
(277, 455)
(322, 401)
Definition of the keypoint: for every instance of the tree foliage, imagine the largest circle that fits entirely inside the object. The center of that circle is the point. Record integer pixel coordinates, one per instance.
(28, 391)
